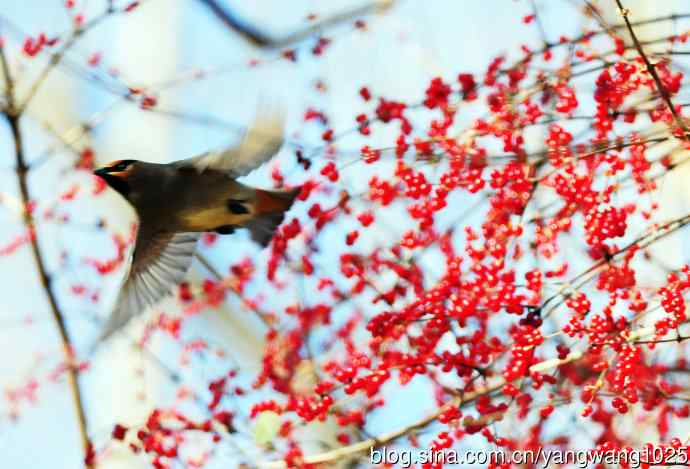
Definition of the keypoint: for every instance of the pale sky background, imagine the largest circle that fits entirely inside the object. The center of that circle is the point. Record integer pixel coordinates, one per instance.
(165, 39)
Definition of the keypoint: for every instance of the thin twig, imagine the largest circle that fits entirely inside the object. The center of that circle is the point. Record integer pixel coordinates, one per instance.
(227, 281)
(641, 242)
(651, 68)
(540, 24)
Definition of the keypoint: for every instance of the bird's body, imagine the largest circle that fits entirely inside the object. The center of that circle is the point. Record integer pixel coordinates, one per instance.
(203, 201)
(177, 202)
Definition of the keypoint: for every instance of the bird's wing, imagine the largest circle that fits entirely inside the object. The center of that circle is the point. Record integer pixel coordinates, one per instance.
(158, 264)
(262, 140)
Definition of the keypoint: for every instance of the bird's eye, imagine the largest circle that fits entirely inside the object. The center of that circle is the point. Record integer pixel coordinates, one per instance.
(120, 166)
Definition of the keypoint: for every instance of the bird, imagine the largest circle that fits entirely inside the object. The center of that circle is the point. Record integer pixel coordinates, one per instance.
(177, 202)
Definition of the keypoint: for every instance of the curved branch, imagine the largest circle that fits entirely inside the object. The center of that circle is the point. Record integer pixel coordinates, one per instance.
(388, 437)
(261, 39)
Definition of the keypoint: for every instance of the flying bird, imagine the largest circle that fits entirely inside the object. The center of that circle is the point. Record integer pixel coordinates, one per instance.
(177, 202)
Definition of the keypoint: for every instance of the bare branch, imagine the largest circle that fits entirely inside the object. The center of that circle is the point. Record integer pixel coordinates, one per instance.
(260, 39)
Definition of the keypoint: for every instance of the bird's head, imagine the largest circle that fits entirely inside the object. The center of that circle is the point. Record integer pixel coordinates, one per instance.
(119, 175)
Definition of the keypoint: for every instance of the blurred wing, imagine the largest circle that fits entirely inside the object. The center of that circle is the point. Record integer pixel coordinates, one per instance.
(158, 265)
(262, 140)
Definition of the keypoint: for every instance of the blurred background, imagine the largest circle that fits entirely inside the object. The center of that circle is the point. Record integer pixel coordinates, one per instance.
(168, 80)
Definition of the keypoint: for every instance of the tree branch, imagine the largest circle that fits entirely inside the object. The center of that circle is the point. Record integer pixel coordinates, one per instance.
(261, 39)
(458, 401)
(13, 117)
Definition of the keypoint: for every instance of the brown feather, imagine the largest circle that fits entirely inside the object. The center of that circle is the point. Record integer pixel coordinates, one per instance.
(274, 201)
(211, 218)
(159, 263)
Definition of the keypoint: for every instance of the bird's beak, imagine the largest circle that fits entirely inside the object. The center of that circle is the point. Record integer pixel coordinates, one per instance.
(102, 172)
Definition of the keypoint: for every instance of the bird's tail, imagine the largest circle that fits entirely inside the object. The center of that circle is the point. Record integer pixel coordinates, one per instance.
(269, 208)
